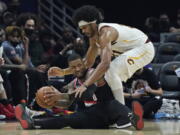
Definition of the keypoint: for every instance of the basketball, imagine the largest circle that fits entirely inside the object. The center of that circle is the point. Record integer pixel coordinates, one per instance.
(40, 97)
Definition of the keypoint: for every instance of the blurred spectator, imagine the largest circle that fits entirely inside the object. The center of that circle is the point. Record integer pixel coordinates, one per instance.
(8, 19)
(16, 42)
(67, 35)
(48, 42)
(144, 87)
(4, 74)
(16, 49)
(17, 53)
(79, 47)
(176, 27)
(5, 107)
(29, 23)
(60, 44)
(164, 23)
(151, 29)
(3, 7)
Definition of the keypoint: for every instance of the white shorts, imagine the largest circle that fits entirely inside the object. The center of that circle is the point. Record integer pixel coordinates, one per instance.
(125, 65)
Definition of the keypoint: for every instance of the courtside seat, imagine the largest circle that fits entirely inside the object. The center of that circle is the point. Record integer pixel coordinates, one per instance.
(169, 81)
(177, 58)
(173, 37)
(171, 95)
(156, 46)
(166, 52)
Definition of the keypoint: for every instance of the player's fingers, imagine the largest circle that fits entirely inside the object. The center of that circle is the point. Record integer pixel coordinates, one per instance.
(50, 102)
(46, 100)
(72, 92)
(49, 93)
(77, 93)
(80, 94)
(48, 96)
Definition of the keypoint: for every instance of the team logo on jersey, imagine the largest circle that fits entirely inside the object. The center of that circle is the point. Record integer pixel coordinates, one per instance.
(130, 61)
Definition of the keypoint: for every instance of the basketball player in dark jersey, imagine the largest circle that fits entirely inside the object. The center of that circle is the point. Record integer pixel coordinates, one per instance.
(101, 115)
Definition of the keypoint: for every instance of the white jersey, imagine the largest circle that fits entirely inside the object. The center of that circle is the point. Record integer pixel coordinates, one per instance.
(128, 37)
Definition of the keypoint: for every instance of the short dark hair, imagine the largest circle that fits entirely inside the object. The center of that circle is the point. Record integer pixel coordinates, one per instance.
(87, 13)
(74, 56)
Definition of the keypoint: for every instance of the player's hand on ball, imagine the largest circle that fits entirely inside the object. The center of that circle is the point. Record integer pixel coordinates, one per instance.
(55, 71)
(51, 97)
(40, 97)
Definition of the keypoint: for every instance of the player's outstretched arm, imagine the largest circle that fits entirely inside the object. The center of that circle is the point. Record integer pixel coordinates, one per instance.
(56, 71)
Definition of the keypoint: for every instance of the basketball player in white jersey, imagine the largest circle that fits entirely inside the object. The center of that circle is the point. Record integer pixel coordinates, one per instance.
(122, 49)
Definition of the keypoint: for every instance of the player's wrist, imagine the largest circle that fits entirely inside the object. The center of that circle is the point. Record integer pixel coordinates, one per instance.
(64, 72)
(85, 85)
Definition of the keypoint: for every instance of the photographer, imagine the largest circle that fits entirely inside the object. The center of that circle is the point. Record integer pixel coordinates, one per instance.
(145, 88)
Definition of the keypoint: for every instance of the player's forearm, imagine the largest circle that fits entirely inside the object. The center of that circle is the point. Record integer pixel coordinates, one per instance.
(88, 64)
(64, 101)
(97, 74)
(63, 104)
(127, 95)
(89, 61)
(68, 71)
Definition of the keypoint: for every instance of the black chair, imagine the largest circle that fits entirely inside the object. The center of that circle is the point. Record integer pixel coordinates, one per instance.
(170, 37)
(156, 46)
(177, 58)
(173, 37)
(169, 81)
(166, 52)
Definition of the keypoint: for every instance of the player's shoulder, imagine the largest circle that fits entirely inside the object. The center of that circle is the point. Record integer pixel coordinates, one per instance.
(105, 26)
(108, 30)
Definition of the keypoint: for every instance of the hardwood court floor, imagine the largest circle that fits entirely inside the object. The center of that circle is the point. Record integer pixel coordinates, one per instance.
(168, 127)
